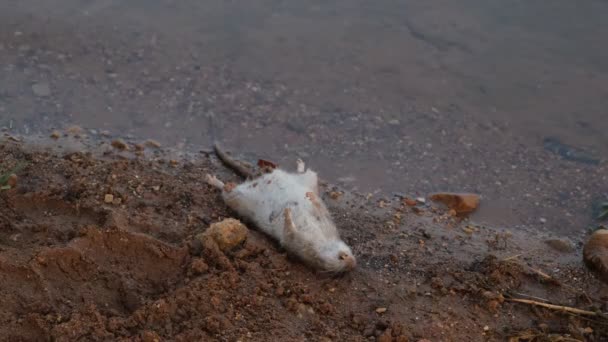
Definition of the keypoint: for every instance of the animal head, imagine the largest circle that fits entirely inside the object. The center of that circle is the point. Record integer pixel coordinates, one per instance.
(332, 255)
(321, 247)
(336, 256)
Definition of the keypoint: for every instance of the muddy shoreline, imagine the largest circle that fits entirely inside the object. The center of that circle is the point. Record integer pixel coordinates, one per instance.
(76, 267)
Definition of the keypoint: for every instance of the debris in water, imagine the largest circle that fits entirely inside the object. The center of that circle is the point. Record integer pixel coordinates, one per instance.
(568, 152)
(604, 211)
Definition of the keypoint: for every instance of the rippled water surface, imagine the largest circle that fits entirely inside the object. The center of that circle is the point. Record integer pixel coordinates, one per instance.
(508, 99)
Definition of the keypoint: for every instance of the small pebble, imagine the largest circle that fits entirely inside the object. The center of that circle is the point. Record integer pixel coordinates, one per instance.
(109, 198)
(41, 89)
(55, 135)
(152, 143)
(543, 220)
(335, 195)
(12, 180)
(75, 130)
(199, 266)
(410, 202)
(381, 310)
(119, 144)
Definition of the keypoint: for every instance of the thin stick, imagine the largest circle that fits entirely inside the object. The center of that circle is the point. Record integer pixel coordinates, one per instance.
(512, 257)
(545, 276)
(553, 306)
(529, 296)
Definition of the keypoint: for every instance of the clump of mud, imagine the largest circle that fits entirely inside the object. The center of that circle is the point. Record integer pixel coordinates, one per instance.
(77, 266)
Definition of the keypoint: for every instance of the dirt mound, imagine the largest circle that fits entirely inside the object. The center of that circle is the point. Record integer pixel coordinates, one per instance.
(74, 266)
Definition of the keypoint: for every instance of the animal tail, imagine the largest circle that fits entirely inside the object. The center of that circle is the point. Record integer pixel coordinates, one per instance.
(232, 163)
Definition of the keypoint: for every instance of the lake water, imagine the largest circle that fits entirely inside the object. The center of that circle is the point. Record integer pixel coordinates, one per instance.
(508, 99)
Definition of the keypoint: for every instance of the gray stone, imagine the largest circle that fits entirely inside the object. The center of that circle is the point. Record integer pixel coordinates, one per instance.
(41, 89)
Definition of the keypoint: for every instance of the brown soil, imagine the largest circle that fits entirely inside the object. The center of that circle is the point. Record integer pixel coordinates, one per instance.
(76, 268)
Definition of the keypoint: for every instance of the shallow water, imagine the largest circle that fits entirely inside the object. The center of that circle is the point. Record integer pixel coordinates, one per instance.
(506, 99)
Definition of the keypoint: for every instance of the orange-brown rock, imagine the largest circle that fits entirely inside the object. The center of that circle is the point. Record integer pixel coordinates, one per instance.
(462, 203)
(228, 233)
(410, 202)
(12, 180)
(595, 253)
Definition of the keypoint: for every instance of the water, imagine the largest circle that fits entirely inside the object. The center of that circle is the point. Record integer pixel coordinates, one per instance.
(493, 97)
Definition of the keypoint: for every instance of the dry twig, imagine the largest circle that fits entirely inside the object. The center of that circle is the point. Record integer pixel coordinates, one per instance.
(554, 307)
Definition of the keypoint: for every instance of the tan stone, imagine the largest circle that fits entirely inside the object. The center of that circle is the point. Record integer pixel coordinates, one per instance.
(108, 198)
(595, 253)
(119, 144)
(228, 233)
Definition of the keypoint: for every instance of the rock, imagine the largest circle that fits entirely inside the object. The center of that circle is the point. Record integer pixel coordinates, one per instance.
(55, 135)
(228, 233)
(409, 202)
(74, 130)
(12, 180)
(381, 310)
(152, 143)
(335, 195)
(41, 89)
(559, 245)
(198, 266)
(595, 253)
(150, 336)
(469, 230)
(119, 144)
(462, 203)
(386, 336)
(108, 198)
